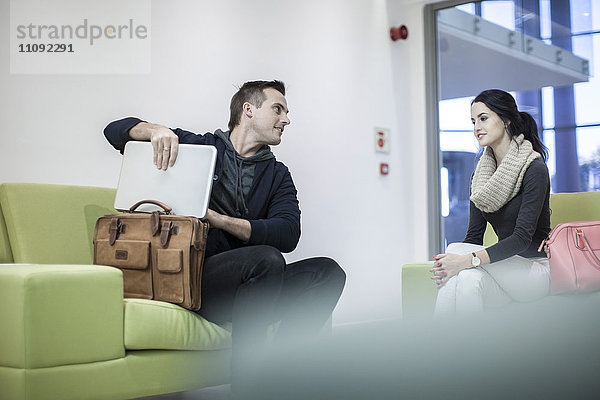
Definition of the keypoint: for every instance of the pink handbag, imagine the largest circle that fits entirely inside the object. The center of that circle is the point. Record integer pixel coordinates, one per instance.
(573, 249)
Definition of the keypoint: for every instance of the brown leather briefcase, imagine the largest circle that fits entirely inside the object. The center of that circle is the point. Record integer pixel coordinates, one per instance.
(161, 255)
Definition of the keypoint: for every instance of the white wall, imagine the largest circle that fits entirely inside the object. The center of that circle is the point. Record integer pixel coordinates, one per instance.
(344, 77)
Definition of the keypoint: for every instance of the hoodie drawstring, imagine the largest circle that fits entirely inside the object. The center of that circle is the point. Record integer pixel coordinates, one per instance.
(239, 192)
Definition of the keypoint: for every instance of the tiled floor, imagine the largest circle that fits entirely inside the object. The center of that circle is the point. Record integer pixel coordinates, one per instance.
(222, 392)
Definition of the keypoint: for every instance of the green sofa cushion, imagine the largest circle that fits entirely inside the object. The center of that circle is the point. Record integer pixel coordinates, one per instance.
(53, 224)
(567, 207)
(158, 325)
(60, 314)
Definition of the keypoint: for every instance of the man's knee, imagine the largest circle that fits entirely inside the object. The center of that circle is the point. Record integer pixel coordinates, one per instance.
(326, 269)
(269, 261)
(334, 270)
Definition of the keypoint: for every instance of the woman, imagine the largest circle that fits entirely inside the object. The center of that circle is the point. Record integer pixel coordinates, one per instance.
(510, 189)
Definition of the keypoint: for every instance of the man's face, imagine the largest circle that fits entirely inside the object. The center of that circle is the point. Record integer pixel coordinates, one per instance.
(270, 119)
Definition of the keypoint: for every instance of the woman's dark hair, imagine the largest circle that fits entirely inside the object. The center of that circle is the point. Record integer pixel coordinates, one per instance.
(251, 92)
(517, 122)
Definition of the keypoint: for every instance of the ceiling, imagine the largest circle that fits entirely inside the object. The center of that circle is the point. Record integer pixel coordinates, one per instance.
(475, 55)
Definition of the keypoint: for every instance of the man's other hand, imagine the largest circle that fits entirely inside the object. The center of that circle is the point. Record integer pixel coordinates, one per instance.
(240, 228)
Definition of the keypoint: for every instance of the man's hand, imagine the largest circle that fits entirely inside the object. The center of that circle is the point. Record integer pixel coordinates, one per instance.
(164, 142)
(240, 228)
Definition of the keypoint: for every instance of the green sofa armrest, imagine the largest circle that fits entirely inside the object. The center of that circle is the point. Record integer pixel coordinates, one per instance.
(59, 315)
(5, 251)
(418, 290)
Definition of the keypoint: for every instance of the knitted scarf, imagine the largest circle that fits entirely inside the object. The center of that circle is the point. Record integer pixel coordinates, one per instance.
(494, 186)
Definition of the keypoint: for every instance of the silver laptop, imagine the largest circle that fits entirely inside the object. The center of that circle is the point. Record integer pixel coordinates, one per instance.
(185, 187)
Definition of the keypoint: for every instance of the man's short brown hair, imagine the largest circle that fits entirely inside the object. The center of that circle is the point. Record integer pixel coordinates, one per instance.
(253, 93)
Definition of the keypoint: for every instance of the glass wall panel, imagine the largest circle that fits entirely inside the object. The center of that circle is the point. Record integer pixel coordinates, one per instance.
(581, 17)
(499, 12)
(587, 93)
(551, 162)
(588, 149)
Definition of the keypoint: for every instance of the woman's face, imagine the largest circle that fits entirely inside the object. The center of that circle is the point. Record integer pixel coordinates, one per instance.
(488, 127)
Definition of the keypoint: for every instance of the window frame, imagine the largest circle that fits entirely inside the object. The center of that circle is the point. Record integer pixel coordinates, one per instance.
(435, 223)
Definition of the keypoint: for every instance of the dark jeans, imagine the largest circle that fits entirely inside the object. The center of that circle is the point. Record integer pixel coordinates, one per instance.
(253, 287)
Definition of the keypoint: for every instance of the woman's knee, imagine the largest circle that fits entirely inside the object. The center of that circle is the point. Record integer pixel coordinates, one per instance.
(454, 248)
(470, 280)
(463, 248)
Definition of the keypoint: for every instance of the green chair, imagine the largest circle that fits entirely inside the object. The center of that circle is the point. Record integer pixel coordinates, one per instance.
(419, 292)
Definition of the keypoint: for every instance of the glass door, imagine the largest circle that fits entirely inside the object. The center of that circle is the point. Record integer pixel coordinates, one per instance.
(544, 52)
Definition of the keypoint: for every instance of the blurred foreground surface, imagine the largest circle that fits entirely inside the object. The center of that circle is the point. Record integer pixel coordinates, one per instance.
(545, 351)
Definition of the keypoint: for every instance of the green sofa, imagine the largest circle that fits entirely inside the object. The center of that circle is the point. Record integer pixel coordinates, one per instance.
(419, 292)
(66, 331)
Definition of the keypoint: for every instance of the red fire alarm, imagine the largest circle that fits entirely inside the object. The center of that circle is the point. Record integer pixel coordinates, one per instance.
(384, 169)
(399, 32)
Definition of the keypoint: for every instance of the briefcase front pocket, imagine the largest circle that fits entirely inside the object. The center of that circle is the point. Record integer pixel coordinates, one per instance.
(133, 258)
(168, 277)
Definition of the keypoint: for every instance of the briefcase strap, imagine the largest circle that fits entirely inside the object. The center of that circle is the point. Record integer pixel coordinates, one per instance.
(116, 227)
(154, 222)
(198, 240)
(165, 232)
(166, 208)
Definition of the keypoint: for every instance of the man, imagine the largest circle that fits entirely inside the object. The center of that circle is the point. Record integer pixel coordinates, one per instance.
(254, 216)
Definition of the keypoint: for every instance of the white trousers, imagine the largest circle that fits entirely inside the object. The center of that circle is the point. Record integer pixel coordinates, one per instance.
(494, 285)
